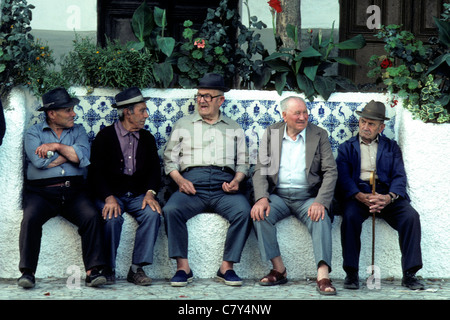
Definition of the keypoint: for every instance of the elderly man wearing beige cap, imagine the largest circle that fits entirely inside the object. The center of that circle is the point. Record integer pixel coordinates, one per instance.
(358, 157)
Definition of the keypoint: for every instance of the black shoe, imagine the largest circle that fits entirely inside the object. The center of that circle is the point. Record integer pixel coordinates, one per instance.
(351, 280)
(139, 277)
(110, 275)
(27, 280)
(95, 279)
(410, 281)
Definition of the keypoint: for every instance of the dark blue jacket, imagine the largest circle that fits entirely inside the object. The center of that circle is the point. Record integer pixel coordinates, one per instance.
(2, 123)
(389, 167)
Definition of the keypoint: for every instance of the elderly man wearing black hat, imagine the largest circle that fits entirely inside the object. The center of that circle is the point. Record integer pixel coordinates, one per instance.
(206, 157)
(357, 158)
(125, 175)
(57, 155)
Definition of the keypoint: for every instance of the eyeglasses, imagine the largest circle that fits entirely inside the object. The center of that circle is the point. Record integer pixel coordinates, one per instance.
(207, 97)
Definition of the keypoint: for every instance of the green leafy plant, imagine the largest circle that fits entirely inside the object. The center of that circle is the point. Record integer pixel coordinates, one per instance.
(440, 67)
(17, 50)
(416, 72)
(149, 28)
(407, 78)
(42, 76)
(306, 70)
(429, 108)
(114, 65)
(216, 47)
(197, 57)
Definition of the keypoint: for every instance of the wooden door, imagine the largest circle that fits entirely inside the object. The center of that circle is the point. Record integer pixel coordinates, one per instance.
(114, 16)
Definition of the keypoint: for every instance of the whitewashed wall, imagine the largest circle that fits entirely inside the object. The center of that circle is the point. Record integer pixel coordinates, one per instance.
(426, 164)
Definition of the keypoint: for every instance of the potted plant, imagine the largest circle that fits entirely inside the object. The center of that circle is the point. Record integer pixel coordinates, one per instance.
(306, 70)
(416, 72)
(219, 47)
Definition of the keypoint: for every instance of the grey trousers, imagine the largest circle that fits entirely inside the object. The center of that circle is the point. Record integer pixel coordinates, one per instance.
(286, 202)
(209, 198)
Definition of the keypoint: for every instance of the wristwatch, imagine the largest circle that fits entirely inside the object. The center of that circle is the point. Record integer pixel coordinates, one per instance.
(393, 196)
(152, 192)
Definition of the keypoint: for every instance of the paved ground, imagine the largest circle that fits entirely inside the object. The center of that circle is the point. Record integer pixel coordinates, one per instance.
(207, 295)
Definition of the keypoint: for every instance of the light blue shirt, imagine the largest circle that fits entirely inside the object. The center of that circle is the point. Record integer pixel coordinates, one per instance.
(41, 133)
(292, 173)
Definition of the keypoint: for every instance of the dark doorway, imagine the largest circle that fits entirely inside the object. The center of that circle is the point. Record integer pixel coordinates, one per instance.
(114, 16)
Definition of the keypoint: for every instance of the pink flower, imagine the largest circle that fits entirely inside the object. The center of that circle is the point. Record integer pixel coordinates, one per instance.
(200, 43)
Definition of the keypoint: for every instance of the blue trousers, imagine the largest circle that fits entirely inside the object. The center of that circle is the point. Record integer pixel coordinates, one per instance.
(400, 215)
(209, 198)
(286, 202)
(148, 221)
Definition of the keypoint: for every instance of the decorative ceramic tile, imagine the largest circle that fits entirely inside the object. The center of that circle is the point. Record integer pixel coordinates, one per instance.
(338, 118)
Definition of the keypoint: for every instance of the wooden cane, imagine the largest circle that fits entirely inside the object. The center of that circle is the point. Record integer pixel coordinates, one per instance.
(373, 184)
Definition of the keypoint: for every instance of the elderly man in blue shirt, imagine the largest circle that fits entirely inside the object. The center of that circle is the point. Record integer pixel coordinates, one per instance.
(57, 153)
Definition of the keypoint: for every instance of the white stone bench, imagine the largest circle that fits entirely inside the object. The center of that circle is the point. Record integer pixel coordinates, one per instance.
(61, 246)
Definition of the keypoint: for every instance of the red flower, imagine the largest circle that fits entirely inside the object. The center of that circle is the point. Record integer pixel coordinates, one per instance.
(276, 5)
(386, 63)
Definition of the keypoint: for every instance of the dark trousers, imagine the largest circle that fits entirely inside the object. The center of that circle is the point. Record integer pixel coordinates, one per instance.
(400, 215)
(209, 198)
(43, 203)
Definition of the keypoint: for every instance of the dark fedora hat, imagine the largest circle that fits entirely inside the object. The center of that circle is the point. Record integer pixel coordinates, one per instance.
(374, 110)
(212, 81)
(56, 99)
(128, 97)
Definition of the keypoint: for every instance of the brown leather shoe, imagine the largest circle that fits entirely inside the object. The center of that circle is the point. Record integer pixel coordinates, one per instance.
(139, 278)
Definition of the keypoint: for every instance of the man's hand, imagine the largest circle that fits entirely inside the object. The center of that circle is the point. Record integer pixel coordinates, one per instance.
(260, 210)
(42, 150)
(316, 211)
(65, 151)
(184, 185)
(233, 185)
(111, 208)
(378, 202)
(149, 199)
(363, 198)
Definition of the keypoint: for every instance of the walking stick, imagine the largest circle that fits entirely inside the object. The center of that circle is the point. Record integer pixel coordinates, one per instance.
(373, 184)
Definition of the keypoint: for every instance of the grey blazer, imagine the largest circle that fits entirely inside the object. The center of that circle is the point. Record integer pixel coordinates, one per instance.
(321, 168)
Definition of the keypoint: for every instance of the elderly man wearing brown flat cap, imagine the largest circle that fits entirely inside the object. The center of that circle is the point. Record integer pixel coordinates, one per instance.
(358, 157)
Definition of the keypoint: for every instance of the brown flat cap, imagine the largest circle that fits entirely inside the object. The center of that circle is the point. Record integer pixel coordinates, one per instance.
(374, 110)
